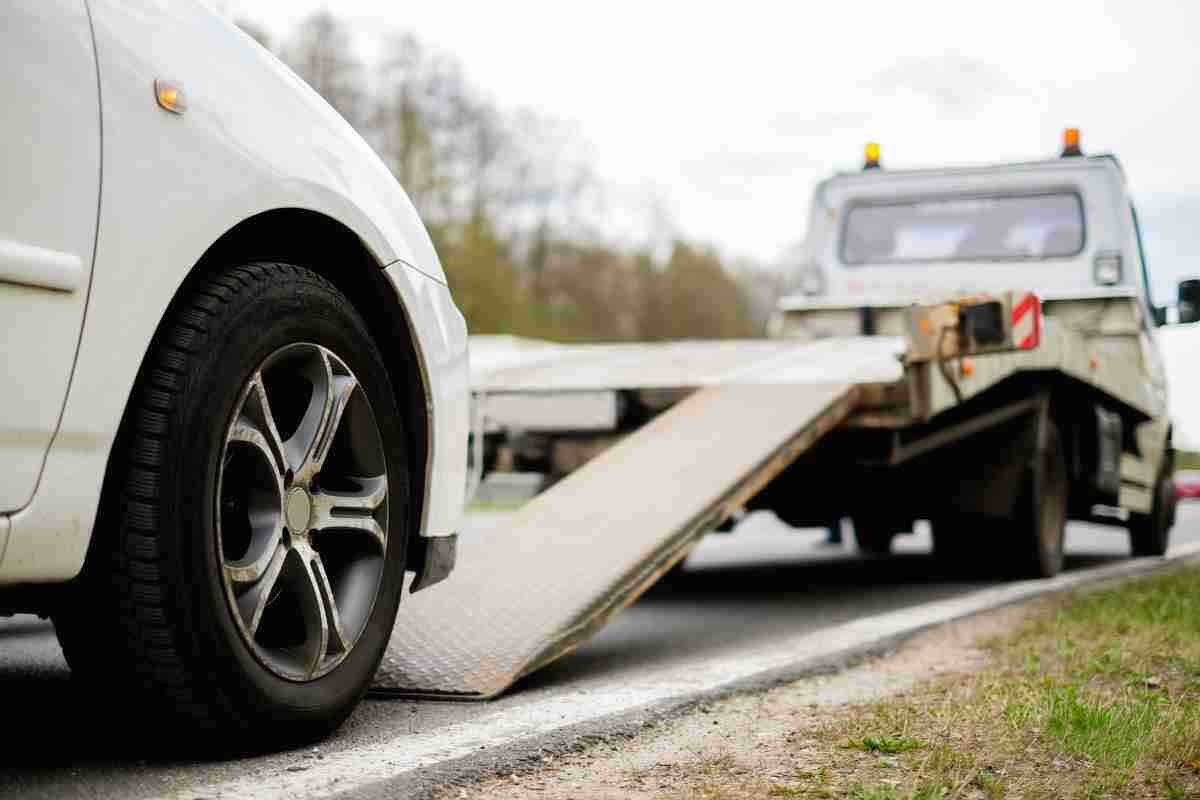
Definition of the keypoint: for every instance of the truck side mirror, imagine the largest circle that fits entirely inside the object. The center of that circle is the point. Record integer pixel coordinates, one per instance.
(1189, 300)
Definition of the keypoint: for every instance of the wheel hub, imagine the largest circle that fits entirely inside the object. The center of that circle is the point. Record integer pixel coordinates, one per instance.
(298, 511)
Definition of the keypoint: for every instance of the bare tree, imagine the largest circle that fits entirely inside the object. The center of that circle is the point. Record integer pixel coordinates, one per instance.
(501, 192)
(761, 287)
(321, 52)
(401, 123)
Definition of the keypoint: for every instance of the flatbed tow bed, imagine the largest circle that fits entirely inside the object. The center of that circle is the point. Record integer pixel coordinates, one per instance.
(581, 551)
(740, 414)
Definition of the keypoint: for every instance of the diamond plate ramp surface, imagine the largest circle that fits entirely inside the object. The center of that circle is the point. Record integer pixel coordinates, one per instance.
(580, 552)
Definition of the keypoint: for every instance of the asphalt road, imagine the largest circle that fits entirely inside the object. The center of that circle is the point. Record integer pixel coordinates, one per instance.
(736, 591)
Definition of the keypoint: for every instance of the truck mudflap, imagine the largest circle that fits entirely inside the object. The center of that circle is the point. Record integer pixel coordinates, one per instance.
(585, 549)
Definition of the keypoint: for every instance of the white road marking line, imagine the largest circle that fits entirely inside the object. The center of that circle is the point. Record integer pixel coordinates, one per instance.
(381, 761)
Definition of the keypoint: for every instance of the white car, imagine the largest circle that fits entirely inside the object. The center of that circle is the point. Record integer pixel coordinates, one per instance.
(234, 395)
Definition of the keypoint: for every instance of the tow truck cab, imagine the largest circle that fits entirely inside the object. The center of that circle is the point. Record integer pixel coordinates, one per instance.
(880, 239)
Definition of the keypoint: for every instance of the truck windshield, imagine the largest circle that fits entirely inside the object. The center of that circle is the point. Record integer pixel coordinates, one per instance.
(1032, 226)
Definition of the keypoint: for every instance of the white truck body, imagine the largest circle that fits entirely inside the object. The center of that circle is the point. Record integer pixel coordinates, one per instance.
(1109, 307)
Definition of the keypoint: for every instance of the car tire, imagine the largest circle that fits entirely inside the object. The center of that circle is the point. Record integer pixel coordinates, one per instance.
(1150, 534)
(1041, 511)
(168, 612)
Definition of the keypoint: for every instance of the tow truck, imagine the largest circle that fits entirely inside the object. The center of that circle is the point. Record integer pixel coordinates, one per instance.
(971, 346)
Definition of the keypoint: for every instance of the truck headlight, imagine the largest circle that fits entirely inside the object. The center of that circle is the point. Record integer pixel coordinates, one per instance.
(1106, 269)
(812, 281)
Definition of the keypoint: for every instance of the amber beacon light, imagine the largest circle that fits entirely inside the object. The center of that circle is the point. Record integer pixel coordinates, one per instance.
(1071, 143)
(871, 156)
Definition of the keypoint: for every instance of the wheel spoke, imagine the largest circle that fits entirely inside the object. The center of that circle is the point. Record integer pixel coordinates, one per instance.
(310, 445)
(262, 577)
(260, 405)
(336, 638)
(352, 510)
(322, 623)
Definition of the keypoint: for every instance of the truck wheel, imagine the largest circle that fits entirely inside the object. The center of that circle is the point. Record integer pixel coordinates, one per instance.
(1150, 534)
(246, 579)
(873, 536)
(1041, 518)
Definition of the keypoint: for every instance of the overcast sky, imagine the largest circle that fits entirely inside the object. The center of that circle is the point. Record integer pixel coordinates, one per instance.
(724, 115)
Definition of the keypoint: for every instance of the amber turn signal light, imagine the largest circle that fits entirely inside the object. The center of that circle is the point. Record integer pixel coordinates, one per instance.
(169, 96)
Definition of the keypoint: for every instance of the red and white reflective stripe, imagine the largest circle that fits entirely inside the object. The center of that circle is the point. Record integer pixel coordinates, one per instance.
(1026, 320)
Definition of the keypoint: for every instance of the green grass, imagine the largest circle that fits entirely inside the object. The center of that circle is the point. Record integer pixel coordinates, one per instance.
(884, 745)
(1107, 732)
(1096, 696)
(1187, 459)
(879, 792)
(1105, 684)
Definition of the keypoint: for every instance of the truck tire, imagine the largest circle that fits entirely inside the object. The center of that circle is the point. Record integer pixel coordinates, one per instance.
(245, 577)
(1041, 512)
(1150, 534)
(873, 536)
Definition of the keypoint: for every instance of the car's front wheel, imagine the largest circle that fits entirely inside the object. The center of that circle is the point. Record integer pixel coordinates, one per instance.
(249, 562)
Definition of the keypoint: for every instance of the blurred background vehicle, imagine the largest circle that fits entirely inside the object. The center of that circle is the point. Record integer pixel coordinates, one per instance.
(1187, 484)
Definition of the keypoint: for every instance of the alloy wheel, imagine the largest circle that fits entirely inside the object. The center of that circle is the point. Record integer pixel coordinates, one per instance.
(302, 512)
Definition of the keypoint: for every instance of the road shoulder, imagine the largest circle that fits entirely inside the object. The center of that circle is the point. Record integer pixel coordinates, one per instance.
(742, 738)
(1092, 694)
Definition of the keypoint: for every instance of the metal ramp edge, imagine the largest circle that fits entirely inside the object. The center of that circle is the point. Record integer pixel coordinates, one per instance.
(582, 551)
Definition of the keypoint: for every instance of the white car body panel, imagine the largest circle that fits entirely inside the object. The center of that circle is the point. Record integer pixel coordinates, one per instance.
(51, 187)
(254, 138)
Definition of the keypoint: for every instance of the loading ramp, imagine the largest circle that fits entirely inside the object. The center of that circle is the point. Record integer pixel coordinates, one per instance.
(581, 551)
(577, 554)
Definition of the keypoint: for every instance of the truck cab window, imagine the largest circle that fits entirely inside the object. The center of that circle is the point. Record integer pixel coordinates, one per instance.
(1003, 227)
